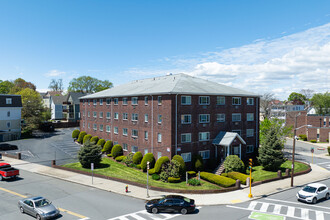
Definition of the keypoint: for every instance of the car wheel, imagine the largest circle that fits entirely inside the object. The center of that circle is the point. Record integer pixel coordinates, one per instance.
(314, 200)
(1, 178)
(183, 211)
(38, 217)
(327, 196)
(21, 209)
(154, 210)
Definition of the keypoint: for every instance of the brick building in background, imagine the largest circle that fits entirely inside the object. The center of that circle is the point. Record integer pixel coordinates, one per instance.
(315, 127)
(175, 114)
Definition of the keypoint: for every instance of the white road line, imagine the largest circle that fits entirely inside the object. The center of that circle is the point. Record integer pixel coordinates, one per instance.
(304, 213)
(134, 215)
(290, 212)
(252, 205)
(264, 207)
(277, 209)
(319, 215)
(297, 203)
(322, 163)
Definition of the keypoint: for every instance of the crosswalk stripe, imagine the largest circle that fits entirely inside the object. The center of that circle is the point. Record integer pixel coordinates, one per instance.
(319, 215)
(290, 211)
(277, 209)
(304, 213)
(252, 205)
(137, 216)
(264, 207)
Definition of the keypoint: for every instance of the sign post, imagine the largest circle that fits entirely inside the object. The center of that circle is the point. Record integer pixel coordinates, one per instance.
(312, 150)
(148, 178)
(92, 168)
(250, 166)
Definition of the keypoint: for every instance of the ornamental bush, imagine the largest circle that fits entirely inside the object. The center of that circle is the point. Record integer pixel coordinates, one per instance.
(120, 158)
(138, 166)
(75, 134)
(233, 163)
(174, 179)
(159, 163)
(151, 171)
(87, 138)
(116, 151)
(329, 150)
(182, 164)
(238, 176)
(155, 176)
(89, 153)
(303, 137)
(109, 155)
(81, 136)
(147, 157)
(219, 180)
(129, 160)
(198, 162)
(170, 169)
(194, 182)
(107, 147)
(95, 139)
(101, 143)
(313, 141)
(137, 157)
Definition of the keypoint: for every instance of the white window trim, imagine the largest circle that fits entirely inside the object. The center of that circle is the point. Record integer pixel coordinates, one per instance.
(199, 136)
(186, 99)
(146, 117)
(251, 147)
(224, 98)
(185, 134)
(183, 121)
(133, 135)
(101, 101)
(199, 100)
(161, 101)
(207, 117)
(114, 117)
(250, 99)
(146, 100)
(137, 100)
(186, 155)
(124, 132)
(247, 118)
(202, 153)
(126, 101)
(239, 98)
(114, 130)
(250, 135)
(224, 118)
(115, 100)
(236, 114)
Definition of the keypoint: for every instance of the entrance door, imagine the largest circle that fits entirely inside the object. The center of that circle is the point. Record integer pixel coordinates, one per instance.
(236, 151)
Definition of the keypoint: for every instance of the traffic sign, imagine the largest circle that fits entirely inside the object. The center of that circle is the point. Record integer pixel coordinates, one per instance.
(312, 149)
(92, 166)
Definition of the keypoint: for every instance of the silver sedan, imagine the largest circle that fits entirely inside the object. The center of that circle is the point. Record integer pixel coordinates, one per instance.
(38, 207)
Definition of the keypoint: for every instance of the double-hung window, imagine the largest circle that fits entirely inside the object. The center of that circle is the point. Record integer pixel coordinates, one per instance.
(185, 100)
(236, 100)
(249, 132)
(146, 100)
(159, 137)
(94, 114)
(135, 149)
(125, 147)
(115, 101)
(115, 130)
(101, 101)
(146, 118)
(159, 100)
(116, 115)
(249, 116)
(125, 116)
(186, 157)
(249, 101)
(125, 131)
(204, 118)
(160, 119)
(185, 119)
(205, 154)
(221, 100)
(124, 101)
(101, 114)
(108, 100)
(134, 133)
(108, 128)
(249, 148)
(146, 135)
(88, 114)
(95, 127)
(94, 101)
(186, 138)
(134, 100)
(204, 136)
(101, 127)
(108, 115)
(204, 100)
(221, 117)
(236, 117)
(135, 116)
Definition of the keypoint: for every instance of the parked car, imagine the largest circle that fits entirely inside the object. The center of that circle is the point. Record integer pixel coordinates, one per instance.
(38, 207)
(7, 171)
(313, 192)
(171, 203)
(6, 146)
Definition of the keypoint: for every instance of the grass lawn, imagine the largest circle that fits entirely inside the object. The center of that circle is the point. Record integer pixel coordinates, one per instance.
(259, 174)
(119, 170)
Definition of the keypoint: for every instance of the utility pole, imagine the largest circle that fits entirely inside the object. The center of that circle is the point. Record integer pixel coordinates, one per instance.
(293, 147)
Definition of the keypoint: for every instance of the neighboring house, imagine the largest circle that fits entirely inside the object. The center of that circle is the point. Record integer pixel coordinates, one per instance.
(294, 106)
(10, 117)
(315, 127)
(46, 97)
(175, 114)
(57, 108)
(280, 108)
(73, 106)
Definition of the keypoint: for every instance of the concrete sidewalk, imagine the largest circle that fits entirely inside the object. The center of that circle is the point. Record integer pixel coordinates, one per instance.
(317, 174)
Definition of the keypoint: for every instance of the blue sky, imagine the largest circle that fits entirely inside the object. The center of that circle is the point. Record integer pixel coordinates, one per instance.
(260, 46)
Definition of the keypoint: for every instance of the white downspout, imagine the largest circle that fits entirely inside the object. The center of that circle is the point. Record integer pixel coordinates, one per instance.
(240, 151)
(152, 124)
(111, 116)
(176, 124)
(257, 124)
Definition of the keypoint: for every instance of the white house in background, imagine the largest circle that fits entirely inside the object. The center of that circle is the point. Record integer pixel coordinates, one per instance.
(56, 106)
(10, 117)
(46, 97)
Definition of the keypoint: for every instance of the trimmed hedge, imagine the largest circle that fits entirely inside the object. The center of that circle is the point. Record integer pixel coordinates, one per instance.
(75, 134)
(155, 176)
(224, 174)
(107, 147)
(219, 180)
(81, 136)
(194, 182)
(198, 162)
(94, 139)
(303, 137)
(174, 179)
(182, 164)
(116, 151)
(238, 176)
(313, 141)
(87, 137)
(147, 157)
(120, 158)
(233, 164)
(138, 166)
(137, 157)
(159, 163)
(109, 155)
(151, 171)
(101, 143)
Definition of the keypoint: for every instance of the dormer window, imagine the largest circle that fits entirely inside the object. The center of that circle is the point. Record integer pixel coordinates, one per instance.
(8, 101)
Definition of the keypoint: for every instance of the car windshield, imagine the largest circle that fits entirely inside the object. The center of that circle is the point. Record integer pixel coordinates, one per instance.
(309, 189)
(41, 203)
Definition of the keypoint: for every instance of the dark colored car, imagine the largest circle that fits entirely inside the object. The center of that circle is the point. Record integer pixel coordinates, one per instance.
(171, 203)
(6, 146)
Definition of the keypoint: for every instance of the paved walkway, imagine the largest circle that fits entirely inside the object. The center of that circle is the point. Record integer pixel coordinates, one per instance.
(317, 174)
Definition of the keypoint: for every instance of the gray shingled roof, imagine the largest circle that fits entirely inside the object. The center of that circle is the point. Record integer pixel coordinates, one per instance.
(58, 100)
(75, 96)
(170, 84)
(226, 138)
(16, 100)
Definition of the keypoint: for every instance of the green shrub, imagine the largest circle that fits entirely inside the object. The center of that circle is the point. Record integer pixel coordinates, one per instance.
(137, 157)
(151, 171)
(198, 162)
(120, 158)
(155, 176)
(174, 179)
(87, 138)
(89, 153)
(109, 155)
(107, 147)
(95, 139)
(238, 176)
(81, 136)
(303, 137)
(170, 169)
(75, 134)
(159, 163)
(101, 143)
(219, 180)
(224, 174)
(138, 166)
(129, 160)
(313, 141)
(233, 163)
(147, 157)
(116, 151)
(191, 173)
(194, 182)
(329, 150)
(182, 164)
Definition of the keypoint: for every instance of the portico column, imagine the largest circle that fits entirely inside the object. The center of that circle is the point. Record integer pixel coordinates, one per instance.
(240, 151)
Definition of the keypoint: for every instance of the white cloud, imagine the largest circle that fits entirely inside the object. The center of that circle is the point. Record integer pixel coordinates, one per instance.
(55, 73)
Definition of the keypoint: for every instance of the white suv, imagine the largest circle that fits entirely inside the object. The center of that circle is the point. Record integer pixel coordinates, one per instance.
(313, 192)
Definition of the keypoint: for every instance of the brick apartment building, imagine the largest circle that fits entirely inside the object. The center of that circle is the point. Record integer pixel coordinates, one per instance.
(315, 127)
(175, 114)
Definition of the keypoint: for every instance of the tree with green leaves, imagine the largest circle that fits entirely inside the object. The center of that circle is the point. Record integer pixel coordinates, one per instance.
(282, 131)
(56, 85)
(87, 84)
(5, 87)
(20, 84)
(90, 153)
(271, 155)
(321, 102)
(294, 96)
